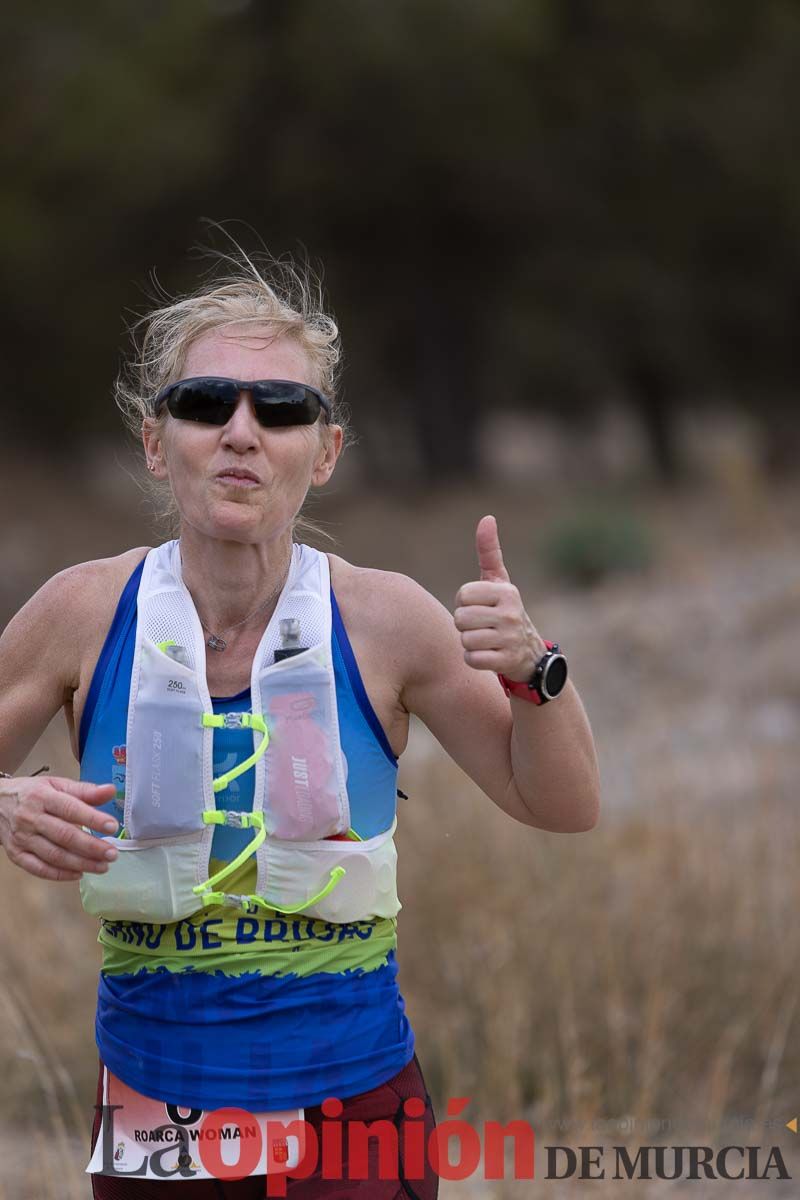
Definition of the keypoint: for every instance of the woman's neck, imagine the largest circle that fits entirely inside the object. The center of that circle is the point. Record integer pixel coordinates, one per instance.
(228, 580)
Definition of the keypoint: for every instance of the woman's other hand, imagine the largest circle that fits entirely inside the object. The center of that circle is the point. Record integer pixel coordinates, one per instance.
(40, 825)
(496, 632)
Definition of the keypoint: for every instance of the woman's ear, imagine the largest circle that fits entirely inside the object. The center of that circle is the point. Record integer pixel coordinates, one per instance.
(152, 438)
(329, 452)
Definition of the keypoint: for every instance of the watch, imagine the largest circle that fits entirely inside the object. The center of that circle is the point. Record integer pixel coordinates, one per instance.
(548, 679)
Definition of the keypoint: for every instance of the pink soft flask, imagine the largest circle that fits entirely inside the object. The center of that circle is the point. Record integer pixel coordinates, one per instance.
(303, 802)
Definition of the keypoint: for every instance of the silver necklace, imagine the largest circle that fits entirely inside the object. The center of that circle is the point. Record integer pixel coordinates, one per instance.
(216, 641)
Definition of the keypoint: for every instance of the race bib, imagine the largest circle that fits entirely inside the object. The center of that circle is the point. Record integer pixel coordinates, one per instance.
(148, 1139)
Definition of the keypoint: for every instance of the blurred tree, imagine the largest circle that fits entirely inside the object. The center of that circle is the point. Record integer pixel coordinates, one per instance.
(517, 204)
(670, 244)
(115, 115)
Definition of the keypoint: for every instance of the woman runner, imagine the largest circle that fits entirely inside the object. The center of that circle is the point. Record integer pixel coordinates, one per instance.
(238, 702)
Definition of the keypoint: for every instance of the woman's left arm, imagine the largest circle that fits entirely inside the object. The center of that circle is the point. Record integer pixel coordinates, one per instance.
(536, 762)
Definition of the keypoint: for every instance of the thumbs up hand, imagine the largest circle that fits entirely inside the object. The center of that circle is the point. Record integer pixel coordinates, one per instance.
(496, 632)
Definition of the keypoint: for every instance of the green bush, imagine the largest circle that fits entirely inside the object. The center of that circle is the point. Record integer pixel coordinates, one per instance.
(591, 544)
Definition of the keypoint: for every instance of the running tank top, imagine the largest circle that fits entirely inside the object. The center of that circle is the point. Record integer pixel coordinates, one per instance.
(261, 1012)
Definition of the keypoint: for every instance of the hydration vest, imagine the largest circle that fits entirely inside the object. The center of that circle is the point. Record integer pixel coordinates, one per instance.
(309, 860)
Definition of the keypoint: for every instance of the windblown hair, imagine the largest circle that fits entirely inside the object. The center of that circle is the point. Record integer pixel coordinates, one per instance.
(271, 295)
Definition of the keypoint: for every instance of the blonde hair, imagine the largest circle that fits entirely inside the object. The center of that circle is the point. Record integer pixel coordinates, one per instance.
(256, 290)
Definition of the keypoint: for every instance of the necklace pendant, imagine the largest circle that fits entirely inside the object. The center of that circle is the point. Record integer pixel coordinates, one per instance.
(216, 643)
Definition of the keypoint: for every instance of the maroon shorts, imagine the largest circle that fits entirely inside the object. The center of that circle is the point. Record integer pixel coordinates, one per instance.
(384, 1102)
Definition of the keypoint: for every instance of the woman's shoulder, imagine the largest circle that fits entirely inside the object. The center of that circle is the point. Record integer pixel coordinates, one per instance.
(374, 590)
(386, 605)
(97, 578)
(73, 588)
(54, 631)
(78, 598)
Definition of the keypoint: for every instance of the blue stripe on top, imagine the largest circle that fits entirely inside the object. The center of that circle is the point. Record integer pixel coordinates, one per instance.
(208, 1040)
(342, 643)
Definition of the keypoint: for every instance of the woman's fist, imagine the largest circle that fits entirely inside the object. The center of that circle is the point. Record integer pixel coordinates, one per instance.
(40, 825)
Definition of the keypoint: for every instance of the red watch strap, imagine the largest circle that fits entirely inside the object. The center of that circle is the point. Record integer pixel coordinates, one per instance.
(517, 687)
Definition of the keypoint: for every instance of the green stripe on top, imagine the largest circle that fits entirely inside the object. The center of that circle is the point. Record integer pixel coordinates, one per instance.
(229, 940)
(260, 946)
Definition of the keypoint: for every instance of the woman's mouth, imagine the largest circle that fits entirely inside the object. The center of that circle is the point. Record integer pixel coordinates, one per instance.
(238, 479)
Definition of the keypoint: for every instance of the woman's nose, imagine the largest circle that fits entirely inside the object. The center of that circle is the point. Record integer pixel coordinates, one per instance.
(242, 426)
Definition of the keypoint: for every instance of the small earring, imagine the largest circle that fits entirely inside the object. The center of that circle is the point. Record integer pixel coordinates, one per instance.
(151, 466)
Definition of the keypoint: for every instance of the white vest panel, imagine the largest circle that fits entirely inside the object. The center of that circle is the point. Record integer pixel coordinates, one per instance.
(300, 789)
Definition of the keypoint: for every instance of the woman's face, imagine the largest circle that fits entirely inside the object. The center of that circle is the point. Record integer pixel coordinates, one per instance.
(286, 460)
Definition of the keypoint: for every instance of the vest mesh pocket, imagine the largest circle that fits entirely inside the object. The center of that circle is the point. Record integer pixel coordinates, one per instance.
(297, 871)
(150, 880)
(304, 799)
(164, 788)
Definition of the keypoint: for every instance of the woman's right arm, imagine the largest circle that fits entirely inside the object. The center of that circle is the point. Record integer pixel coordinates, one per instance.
(40, 655)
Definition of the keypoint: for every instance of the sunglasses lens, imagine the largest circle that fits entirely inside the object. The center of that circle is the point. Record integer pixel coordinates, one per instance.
(279, 403)
(213, 401)
(207, 400)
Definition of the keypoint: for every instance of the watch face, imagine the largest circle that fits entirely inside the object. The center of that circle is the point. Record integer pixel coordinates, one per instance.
(555, 675)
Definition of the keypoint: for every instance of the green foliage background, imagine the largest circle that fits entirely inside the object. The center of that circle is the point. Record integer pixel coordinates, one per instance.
(522, 204)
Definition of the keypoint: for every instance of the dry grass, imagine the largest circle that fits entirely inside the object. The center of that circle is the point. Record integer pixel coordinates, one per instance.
(650, 967)
(649, 970)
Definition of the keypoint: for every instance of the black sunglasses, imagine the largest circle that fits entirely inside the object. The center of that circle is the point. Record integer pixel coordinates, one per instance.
(211, 399)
